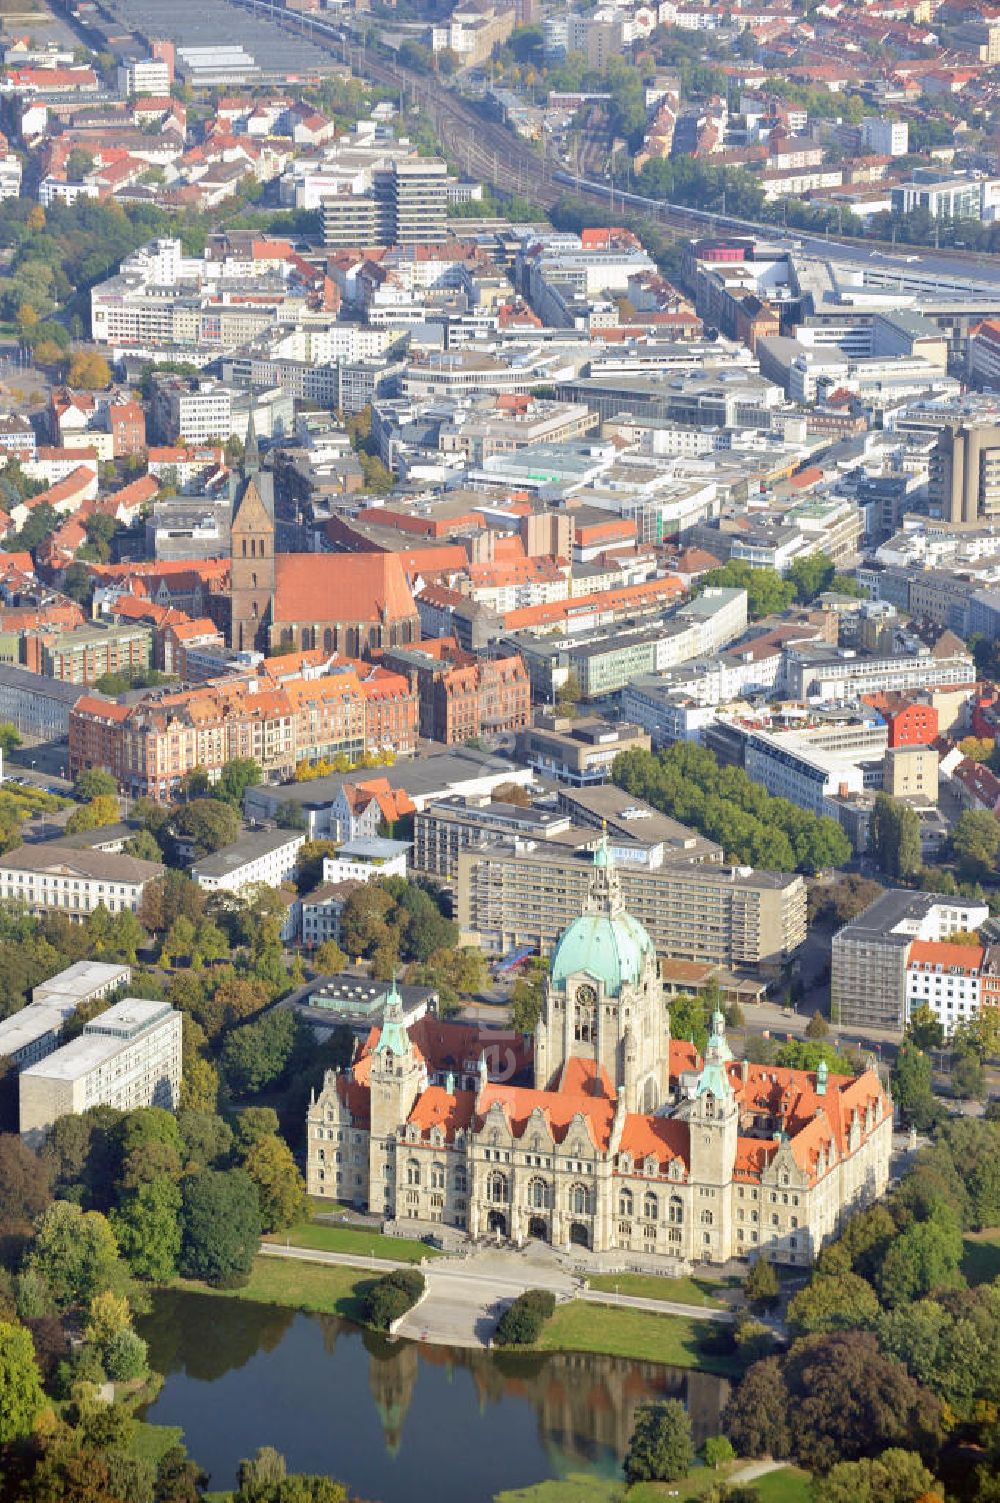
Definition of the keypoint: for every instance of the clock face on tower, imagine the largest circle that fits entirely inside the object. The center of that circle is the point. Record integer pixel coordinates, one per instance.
(586, 995)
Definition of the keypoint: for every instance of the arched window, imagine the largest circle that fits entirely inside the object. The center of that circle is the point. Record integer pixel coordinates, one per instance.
(579, 1200)
(412, 1172)
(496, 1188)
(650, 1207)
(675, 1211)
(706, 1218)
(709, 1105)
(437, 1176)
(625, 1203)
(538, 1195)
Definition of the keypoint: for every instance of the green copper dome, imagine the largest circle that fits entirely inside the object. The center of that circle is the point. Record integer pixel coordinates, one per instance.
(610, 949)
(606, 942)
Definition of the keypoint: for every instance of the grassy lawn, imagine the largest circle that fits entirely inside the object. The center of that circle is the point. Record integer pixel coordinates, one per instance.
(354, 1240)
(315, 1287)
(650, 1286)
(981, 1262)
(152, 1442)
(789, 1485)
(623, 1332)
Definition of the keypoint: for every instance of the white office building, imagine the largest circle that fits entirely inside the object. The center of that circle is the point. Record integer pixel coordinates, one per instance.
(54, 877)
(128, 1057)
(267, 856)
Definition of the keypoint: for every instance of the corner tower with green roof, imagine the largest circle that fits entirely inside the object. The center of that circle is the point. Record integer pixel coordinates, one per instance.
(398, 1075)
(604, 1000)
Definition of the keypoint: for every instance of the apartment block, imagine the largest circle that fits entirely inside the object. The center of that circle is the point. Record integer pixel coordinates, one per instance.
(462, 696)
(524, 894)
(947, 979)
(578, 752)
(964, 482)
(83, 654)
(870, 954)
(129, 1056)
(407, 204)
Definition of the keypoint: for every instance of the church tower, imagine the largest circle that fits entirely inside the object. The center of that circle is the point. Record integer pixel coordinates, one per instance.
(604, 999)
(251, 552)
(714, 1118)
(398, 1075)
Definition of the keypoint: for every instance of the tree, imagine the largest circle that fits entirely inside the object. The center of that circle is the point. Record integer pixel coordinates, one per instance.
(148, 1228)
(258, 1054)
(144, 845)
(125, 1356)
(976, 748)
(511, 793)
(925, 1257)
(281, 1190)
(833, 1303)
(260, 1476)
(894, 1477)
(924, 1031)
(329, 959)
(290, 817)
(761, 1287)
(178, 1479)
(767, 593)
(976, 842)
(809, 1054)
(21, 1396)
(811, 576)
(661, 1449)
(221, 1226)
(25, 1184)
(252, 1125)
(817, 1026)
(204, 825)
(236, 777)
(92, 783)
(756, 1416)
(894, 837)
(90, 371)
(103, 810)
(846, 1399)
(391, 1296)
(10, 737)
(911, 1078)
(76, 1255)
(968, 1079)
(717, 1450)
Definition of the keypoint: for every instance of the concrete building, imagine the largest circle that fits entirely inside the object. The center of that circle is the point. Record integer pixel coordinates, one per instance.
(144, 75)
(83, 654)
(945, 978)
(34, 1032)
(578, 752)
(129, 1056)
(621, 1139)
(870, 954)
(964, 482)
(356, 1002)
(911, 772)
(267, 856)
(522, 894)
(54, 877)
(38, 707)
(364, 860)
(407, 204)
(885, 138)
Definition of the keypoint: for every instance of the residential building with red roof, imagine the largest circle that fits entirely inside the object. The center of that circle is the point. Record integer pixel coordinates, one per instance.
(610, 1134)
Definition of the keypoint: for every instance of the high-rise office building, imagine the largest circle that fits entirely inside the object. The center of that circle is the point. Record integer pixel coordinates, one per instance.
(406, 205)
(965, 472)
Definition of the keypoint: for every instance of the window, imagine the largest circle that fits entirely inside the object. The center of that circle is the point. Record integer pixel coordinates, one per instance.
(437, 1176)
(625, 1203)
(706, 1218)
(412, 1172)
(650, 1206)
(538, 1196)
(496, 1188)
(579, 1200)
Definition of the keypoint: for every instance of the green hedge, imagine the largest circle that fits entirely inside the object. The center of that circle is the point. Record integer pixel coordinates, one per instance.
(391, 1296)
(521, 1323)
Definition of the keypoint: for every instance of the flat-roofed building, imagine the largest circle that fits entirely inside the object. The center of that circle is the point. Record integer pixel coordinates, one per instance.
(523, 894)
(869, 955)
(34, 1032)
(267, 856)
(129, 1056)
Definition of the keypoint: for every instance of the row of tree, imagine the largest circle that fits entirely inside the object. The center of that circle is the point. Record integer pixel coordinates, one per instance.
(723, 803)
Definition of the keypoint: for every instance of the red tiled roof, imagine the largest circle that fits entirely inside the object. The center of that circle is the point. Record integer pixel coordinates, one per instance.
(341, 586)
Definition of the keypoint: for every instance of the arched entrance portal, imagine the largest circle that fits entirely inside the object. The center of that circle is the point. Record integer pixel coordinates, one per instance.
(537, 1228)
(497, 1223)
(579, 1235)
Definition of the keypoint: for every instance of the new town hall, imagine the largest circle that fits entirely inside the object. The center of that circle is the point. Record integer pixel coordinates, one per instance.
(623, 1140)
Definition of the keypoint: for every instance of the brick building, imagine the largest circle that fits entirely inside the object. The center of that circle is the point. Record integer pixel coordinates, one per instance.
(910, 722)
(462, 696)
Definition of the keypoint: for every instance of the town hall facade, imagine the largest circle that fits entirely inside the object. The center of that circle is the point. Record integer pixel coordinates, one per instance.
(621, 1139)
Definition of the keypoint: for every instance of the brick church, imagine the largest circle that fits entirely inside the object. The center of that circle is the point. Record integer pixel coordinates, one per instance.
(349, 603)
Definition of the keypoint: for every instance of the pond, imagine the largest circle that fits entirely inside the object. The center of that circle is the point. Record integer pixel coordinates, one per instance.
(397, 1421)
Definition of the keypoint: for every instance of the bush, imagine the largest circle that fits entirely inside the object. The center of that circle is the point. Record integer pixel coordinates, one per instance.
(521, 1323)
(391, 1296)
(125, 1356)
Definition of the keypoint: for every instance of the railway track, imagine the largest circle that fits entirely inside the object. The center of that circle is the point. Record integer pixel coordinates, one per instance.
(485, 149)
